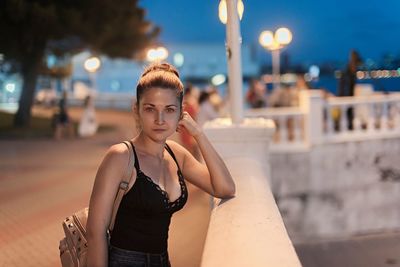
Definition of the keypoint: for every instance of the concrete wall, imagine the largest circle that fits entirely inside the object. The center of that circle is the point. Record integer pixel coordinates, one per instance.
(246, 230)
(338, 189)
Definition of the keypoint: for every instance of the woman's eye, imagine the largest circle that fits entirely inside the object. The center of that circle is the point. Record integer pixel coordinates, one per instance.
(149, 109)
(170, 110)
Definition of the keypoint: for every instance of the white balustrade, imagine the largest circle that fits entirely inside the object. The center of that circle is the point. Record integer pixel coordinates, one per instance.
(374, 116)
(289, 122)
(318, 120)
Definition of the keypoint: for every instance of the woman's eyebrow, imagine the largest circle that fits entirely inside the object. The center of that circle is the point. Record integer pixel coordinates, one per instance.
(152, 105)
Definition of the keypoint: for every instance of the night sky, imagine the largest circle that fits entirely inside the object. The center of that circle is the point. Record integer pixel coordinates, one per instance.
(322, 30)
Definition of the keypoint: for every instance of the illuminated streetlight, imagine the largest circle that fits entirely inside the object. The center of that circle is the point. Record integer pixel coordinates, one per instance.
(223, 11)
(157, 54)
(275, 42)
(92, 64)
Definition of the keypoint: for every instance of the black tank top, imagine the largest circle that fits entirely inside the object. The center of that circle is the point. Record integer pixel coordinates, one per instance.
(144, 215)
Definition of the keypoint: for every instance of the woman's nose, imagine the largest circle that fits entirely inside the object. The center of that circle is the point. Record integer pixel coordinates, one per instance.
(160, 118)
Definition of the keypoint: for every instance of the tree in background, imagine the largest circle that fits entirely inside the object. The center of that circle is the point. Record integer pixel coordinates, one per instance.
(32, 29)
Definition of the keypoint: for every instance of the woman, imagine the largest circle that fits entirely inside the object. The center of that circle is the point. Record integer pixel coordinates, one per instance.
(157, 188)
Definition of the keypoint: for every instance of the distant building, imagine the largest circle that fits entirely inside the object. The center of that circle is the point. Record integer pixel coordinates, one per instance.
(197, 63)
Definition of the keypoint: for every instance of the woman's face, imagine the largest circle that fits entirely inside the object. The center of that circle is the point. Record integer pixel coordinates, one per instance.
(159, 113)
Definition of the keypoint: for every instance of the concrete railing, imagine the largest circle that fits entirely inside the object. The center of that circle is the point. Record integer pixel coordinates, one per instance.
(289, 123)
(318, 120)
(373, 116)
(246, 230)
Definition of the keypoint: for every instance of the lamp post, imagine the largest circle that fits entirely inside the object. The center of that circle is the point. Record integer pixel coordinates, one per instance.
(229, 13)
(157, 54)
(92, 65)
(275, 42)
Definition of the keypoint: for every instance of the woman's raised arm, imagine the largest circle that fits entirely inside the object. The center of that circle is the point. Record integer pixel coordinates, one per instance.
(213, 176)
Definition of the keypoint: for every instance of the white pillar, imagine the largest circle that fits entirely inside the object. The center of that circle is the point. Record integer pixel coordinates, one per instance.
(235, 83)
(311, 102)
(276, 66)
(249, 139)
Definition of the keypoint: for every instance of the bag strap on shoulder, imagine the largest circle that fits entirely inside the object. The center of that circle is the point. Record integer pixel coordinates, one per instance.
(123, 186)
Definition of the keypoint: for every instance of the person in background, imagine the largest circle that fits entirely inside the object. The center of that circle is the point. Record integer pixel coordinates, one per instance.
(347, 83)
(294, 91)
(209, 102)
(157, 188)
(88, 124)
(256, 94)
(62, 123)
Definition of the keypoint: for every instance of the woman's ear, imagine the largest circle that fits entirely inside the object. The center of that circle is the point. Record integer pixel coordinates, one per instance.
(135, 109)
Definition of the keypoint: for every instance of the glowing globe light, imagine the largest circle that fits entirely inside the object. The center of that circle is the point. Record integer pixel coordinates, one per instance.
(314, 71)
(218, 79)
(10, 87)
(266, 39)
(283, 36)
(223, 10)
(92, 64)
(157, 54)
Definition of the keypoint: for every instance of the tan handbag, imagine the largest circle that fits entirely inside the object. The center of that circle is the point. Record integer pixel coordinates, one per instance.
(73, 247)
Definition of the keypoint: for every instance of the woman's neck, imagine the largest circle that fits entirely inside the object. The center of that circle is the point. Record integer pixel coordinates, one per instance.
(148, 146)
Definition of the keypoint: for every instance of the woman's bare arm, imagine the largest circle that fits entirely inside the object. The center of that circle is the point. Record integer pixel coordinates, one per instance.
(108, 178)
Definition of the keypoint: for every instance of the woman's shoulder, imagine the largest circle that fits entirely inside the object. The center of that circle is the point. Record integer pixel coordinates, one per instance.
(119, 149)
(174, 145)
(178, 150)
(117, 154)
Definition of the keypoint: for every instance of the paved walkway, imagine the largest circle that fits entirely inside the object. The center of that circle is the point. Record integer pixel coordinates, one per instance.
(43, 181)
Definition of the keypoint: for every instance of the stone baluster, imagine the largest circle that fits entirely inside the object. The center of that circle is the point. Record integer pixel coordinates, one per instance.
(371, 118)
(384, 117)
(283, 129)
(343, 118)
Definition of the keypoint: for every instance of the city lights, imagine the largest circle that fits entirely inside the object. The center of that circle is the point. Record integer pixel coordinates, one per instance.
(178, 59)
(377, 74)
(10, 87)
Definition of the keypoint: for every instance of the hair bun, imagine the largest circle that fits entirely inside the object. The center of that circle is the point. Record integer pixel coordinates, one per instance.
(160, 67)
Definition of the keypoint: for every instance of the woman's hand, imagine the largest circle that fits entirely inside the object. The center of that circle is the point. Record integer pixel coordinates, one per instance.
(189, 124)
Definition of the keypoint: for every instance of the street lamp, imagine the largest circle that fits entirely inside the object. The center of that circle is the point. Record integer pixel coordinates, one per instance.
(157, 54)
(223, 11)
(274, 43)
(92, 65)
(229, 13)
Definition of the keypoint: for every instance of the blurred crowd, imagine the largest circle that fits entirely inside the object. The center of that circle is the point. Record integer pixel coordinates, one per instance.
(286, 95)
(203, 105)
